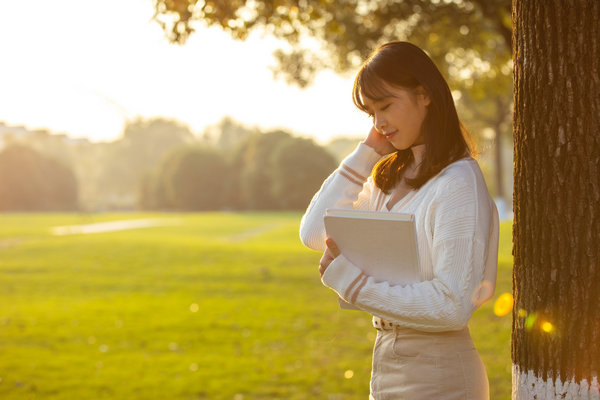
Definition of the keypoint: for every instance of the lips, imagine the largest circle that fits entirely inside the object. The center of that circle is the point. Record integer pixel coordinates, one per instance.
(389, 135)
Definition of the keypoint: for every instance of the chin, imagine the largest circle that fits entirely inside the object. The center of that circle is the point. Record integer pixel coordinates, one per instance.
(401, 146)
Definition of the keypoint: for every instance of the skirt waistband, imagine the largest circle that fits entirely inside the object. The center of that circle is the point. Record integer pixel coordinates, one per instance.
(461, 339)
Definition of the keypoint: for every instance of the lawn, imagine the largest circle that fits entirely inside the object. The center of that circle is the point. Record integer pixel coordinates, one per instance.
(206, 306)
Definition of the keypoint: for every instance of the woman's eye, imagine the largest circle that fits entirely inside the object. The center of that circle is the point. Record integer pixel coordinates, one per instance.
(385, 107)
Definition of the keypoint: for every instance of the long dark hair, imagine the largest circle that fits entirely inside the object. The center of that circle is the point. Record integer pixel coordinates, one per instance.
(405, 65)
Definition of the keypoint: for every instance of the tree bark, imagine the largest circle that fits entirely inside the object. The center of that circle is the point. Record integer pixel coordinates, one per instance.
(556, 232)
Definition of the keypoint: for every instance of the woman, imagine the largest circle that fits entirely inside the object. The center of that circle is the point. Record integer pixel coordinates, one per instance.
(419, 162)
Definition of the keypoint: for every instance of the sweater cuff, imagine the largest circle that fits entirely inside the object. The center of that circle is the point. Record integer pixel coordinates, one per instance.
(362, 160)
(344, 278)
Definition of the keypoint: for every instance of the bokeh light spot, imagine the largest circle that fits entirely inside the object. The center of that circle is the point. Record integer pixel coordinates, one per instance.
(547, 327)
(194, 307)
(194, 367)
(503, 304)
(530, 321)
(522, 313)
(348, 374)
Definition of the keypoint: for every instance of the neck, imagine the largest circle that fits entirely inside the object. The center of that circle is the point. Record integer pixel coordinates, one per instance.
(418, 153)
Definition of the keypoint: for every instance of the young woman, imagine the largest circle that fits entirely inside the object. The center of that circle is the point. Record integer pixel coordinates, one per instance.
(419, 162)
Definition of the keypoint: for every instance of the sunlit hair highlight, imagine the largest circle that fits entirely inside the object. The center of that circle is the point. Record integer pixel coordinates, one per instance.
(404, 65)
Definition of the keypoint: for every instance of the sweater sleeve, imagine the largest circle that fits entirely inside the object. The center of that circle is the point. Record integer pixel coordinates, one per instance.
(342, 189)
(461, 228)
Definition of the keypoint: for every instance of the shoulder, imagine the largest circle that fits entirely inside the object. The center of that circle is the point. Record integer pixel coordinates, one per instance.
(462, 181)
(460, 173)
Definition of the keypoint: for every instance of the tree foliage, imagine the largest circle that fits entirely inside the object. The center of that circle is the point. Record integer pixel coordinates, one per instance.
(252, 166)
(189, 179)
(346, 31)
(469, 40)
(141, 148)
(298, 168)
(30, 181)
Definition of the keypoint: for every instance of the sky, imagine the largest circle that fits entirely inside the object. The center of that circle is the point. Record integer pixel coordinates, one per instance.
(85, 68)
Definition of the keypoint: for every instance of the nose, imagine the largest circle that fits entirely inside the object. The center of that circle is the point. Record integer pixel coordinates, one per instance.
(379, 123)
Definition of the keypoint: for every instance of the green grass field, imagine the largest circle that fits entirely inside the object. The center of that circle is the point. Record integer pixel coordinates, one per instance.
(216, 306)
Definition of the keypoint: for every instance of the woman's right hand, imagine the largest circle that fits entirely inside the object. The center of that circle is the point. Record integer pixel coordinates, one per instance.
(379, 143)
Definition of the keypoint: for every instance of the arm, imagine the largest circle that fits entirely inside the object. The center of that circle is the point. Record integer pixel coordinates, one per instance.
(462, 222)
(340, 190)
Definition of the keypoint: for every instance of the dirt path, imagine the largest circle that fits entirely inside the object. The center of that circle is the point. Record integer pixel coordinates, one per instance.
(111, 226)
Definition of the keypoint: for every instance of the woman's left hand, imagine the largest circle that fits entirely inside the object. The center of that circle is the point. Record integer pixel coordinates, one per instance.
(329, 255)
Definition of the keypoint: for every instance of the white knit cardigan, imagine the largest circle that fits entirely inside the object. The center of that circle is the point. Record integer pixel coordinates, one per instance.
(457, 235)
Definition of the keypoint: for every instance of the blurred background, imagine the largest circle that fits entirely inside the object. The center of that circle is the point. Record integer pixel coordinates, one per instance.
(155, 160)
(120, 103)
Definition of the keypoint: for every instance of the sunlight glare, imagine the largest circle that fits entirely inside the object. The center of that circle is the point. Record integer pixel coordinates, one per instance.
(503, 304)
(530, 320)
(547, 327)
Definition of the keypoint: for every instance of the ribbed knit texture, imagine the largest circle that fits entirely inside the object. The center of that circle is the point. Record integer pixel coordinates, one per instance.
(457, 235)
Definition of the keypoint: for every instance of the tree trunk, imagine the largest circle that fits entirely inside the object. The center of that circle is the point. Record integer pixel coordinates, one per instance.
(556, 276)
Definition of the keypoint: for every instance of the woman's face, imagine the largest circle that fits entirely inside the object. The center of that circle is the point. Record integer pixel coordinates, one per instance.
(399, 115)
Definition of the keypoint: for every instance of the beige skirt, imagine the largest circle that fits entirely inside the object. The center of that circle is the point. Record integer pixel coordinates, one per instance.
(414, 365)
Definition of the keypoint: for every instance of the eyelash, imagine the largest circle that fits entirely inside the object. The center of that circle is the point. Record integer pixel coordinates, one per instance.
(371, 115)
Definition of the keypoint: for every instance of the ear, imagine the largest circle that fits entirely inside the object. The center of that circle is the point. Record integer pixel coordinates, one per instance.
(423, 95)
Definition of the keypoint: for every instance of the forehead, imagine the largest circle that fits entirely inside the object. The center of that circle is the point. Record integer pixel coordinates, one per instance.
(374, 89)
(379, 90)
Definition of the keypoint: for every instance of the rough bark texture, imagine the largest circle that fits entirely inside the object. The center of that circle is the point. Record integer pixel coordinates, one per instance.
(556, 229)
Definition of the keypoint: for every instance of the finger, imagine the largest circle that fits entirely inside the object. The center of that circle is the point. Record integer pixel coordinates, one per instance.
(322, 269)
(326, 258)
(333, 248)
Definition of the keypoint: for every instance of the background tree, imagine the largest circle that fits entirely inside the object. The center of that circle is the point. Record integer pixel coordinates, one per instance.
(141, 148)
(556, 320)
(30, 181)
(298, 168)
(189, 179)
(227, 135)
(340, 147)
(469, 40)
(251, 164)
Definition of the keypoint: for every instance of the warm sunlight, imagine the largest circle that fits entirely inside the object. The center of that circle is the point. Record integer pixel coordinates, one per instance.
(503, 304)
(87, 75)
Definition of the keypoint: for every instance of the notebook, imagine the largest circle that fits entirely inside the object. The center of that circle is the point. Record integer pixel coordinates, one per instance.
(382, 244)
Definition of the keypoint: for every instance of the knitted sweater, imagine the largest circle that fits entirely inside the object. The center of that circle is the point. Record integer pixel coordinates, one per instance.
(457, 235)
